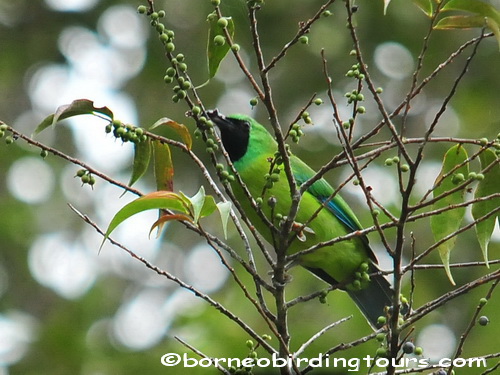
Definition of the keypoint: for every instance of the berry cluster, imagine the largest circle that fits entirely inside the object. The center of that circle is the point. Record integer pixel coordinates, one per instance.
(126, 132)
(360, 276)
(86, 177)
(8, 139)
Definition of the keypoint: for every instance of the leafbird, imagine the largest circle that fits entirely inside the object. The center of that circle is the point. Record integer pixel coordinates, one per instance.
(349, 263)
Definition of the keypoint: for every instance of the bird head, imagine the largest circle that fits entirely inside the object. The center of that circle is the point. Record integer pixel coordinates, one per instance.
(240, 133)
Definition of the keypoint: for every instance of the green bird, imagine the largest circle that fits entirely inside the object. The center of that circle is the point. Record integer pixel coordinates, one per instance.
(252, 149)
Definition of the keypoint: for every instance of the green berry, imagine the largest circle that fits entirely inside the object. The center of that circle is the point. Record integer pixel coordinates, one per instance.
(304, 39)
(355, 182)
(375, 212)
(360, 97)
(326, 13)
(353, 53)
(458, 178)
(381, 320)
(44, 154)
(186, 85)
(318, 101)
(235, 47)
(85, 179)
(215, 3)
(9, 140)
(361, 109)
(154, 16)
(472, 176)
(219, 40)
(404, 168)
(4, 127)
(254, 102)
(171, 72)
(381, 352)
(483, 301)
(258, 201)
(181, 94)
(408, 347)
(249, 344)
(142, 9)
(224, 174)
(81, 172)
(2, 133)
(170, 47)
(210, 150)
(160, 27)
(418, 351)
(180, 57)
(222, 22)
(91, 180)
(346, 125)
(380, 337)
(168, 80)
(388, 162)
(395, 159)
(196, 110)
(483, 320)
(161, 13)
(483, 141)
(379, 90)
(266, 337)
(274, 177)
(183, 67)
(480, 177)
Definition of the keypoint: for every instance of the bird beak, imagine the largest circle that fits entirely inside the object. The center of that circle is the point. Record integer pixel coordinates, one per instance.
(218, 118)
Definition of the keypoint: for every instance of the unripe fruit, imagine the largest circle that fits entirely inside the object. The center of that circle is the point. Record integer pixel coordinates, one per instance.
(483, 301)
(249, 344)
(381, 320)
(161, 13)
(85, 179)
(9, 140)
(318, 101)
(361, 109)
(219, 40)
(44, 153)
(235, 47)
(418, 351)
(483, 141)
(404, 168)
(81, 172)
(196, 110)
(380, 337)
(483, 320)
(304, 39)
(388, 162)
(381, 352)
(408, 347)
(222, 22)
(379, 90)
(254, 102)
(170, 47)
(154, 16)
(142, 9)
(458, 178)
(480, 177)
(215, 3)
(326, 13)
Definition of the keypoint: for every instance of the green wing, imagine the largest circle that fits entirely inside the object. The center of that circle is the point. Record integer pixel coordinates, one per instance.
(322, 190)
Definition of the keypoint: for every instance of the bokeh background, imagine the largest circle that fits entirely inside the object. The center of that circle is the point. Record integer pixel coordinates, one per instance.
(65, 308)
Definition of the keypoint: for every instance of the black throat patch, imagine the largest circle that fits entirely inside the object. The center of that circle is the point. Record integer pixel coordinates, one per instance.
(235, 134)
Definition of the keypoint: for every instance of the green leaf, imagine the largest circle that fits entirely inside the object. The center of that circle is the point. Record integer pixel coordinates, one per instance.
(164, 168)
(180, 129)
(448, 222)
(216, 53)
(488, 186)
(494, 26)
(425, 6)
(142, 156)
(76, 108)
(474, 6)
(461, 22)
(197, 202)
(166, 200)
(224, 211)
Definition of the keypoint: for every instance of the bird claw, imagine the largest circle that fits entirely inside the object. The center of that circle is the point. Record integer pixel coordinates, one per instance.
(301, 230)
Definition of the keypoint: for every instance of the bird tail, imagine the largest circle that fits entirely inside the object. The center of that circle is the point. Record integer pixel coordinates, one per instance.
(373, 299)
